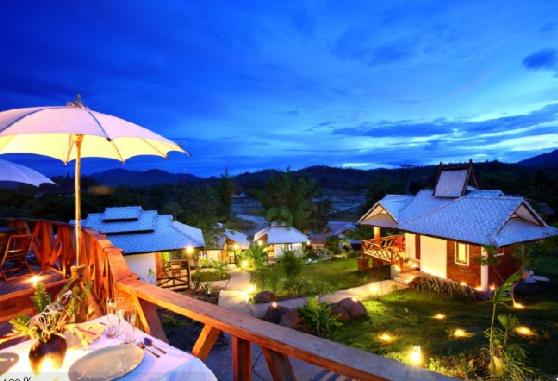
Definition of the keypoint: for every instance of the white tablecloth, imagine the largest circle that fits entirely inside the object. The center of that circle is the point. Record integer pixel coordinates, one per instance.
(175, 365)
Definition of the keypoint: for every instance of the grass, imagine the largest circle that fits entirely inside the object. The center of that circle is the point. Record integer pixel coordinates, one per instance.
(211, 276)
(339, 274)
(408, 315)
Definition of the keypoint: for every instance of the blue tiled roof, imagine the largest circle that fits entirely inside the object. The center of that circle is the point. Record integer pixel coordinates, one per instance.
(148, 232)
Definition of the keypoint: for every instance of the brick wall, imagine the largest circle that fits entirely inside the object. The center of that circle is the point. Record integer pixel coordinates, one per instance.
(464, 273)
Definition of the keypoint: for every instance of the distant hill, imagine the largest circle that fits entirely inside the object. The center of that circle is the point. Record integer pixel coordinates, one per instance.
(121, 176)
(545, 160)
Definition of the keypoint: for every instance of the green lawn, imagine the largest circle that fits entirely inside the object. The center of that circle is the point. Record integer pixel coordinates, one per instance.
(408, 316)
(339, 274)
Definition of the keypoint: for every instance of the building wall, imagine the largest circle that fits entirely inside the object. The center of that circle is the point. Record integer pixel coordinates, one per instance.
(507, 265)
(433, 256)
(144, 265)
(470, 273)
(410, 247)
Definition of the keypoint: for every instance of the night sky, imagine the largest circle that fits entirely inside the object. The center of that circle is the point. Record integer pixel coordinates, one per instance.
(250, 85)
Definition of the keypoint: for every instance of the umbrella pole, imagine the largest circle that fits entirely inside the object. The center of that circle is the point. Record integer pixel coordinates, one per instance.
(77, 178)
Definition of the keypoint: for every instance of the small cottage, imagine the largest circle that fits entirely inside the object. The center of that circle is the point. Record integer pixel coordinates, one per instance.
(145, 237)
(446, 230)
(279, 238)
(227, 246)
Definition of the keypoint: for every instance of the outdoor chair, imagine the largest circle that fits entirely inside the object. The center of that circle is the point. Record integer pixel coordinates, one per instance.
(14, 256)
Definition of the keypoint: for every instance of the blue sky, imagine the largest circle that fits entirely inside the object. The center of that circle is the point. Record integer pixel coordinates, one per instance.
(253, 84)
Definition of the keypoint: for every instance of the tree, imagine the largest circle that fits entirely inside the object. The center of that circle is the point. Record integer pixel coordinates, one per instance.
(289, 199)
(225, 190)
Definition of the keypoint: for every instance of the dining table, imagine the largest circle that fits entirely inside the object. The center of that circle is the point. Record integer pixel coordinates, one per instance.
(171, 365)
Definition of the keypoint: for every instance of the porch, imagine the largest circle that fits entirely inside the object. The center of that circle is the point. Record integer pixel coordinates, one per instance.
(107, 270)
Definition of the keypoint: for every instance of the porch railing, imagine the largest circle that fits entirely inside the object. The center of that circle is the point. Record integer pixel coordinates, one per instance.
(388, 249)
(111, 276)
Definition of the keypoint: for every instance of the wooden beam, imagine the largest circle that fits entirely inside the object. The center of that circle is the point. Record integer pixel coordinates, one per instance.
(241, 359)
(279, 365)
(152, 320)
(206, 340)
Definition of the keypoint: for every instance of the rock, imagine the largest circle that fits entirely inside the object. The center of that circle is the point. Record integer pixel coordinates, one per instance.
(339, 312)
(264, 297)
(274, 314)
(291, 319)
(355, 308)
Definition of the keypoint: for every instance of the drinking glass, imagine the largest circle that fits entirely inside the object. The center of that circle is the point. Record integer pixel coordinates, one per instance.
(113, 321)
(128, 315)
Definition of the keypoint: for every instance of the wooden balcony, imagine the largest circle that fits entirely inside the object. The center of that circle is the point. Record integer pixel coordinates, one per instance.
(390, 249)
(106, 268)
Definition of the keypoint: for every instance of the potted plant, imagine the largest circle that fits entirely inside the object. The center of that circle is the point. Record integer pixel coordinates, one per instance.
(46, 328)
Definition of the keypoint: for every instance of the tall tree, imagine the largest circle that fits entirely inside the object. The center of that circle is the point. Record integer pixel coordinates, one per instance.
(225, 190)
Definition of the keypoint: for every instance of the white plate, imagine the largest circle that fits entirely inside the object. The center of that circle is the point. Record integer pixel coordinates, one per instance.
(106, 364)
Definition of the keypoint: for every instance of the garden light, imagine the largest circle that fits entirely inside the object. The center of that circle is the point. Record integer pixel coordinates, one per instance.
(460, 333)
(274, 305)
(244, 264)
(518, 306)
(189, 249)
(35, 280)
(416, 358)
(439, 316)
(523, 330)
(236, 247)
(386, 337)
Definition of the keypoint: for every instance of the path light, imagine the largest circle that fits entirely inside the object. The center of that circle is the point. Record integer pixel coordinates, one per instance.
(274, 305)
(355, 299)
(416, 358)
(492, 287)
(35, 280)
(386, 337)
(460, 333)
(244, 264)
(518, 305)
(439, 316)
(523, 330)
(374, 289)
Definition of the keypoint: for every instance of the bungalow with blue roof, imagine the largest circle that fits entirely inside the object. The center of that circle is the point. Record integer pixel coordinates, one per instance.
(227, 246)
(143, 235)
(447, 230)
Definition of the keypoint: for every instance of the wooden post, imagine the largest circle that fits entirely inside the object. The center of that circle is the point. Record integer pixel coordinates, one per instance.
(279, 365)
(242, 359)
(206, 340)
(377, 234)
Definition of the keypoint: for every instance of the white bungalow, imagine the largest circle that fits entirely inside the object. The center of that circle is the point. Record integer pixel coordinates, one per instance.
(143, 235)
(279, 238)
(447, 229)
(227, 246)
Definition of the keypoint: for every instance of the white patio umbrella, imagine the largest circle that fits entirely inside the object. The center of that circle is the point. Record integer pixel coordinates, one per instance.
(21, 174)
(73, 132)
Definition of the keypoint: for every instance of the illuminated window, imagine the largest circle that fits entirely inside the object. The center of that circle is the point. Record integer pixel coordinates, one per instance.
(461, 253)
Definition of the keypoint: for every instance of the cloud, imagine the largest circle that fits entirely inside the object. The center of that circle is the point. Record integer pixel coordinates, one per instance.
(545, 59)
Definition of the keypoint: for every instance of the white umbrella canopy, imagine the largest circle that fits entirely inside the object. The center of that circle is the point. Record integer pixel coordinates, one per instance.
(21, 174)
(73, 132)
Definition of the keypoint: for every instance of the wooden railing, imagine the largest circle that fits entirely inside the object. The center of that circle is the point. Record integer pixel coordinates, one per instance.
(107, 269)
(388, 249)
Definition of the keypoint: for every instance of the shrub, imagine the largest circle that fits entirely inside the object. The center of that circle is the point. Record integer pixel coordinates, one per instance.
(290, 264)
(274, 278)
(220, 268)
(444, 287)
(318, 317)
(320, 288)
(296, 287)
(255, 257)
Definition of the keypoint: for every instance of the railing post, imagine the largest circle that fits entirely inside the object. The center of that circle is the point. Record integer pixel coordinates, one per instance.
(207, 338)
(242, 359)
(279, 365)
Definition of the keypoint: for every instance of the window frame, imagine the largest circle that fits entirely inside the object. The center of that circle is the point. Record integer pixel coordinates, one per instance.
(456, 254)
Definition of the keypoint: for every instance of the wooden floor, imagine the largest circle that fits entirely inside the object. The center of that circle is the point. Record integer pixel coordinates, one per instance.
(23, 282)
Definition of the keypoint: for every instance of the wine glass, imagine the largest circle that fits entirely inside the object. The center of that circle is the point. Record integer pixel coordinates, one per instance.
(128, 315)
(113, 321)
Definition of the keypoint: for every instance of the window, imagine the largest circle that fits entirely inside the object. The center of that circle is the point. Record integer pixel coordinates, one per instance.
(461, 254)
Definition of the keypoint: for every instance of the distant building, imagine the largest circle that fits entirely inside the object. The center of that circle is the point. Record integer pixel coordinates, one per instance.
(279, 238)
(339, 229)
(245, 204)
(447, 229)
(227, 246)
(143, 235)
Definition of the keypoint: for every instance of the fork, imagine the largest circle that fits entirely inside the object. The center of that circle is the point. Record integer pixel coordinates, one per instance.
(142, 346)
(149, 343)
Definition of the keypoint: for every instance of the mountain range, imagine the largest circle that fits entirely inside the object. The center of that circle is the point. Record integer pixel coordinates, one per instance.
(327, 177)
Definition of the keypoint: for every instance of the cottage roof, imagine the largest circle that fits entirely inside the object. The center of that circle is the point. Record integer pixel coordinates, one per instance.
(233, 235)
(277, 234)
(339, 227)
(484, 217)
(135, 230)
